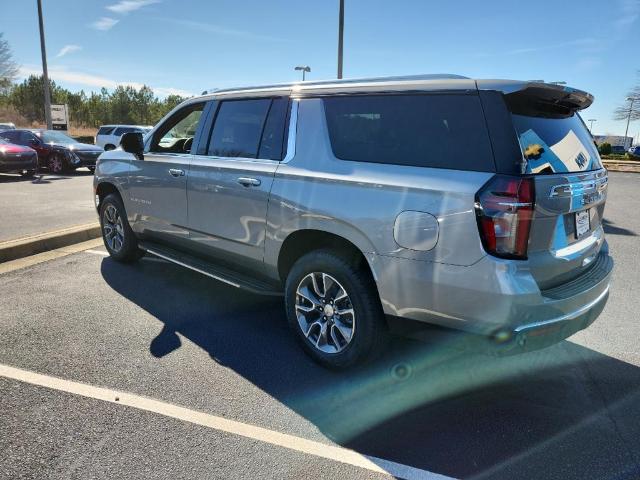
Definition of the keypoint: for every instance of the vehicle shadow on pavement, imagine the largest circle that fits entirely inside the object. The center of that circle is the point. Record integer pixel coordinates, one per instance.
(563, 412)
(611, 229)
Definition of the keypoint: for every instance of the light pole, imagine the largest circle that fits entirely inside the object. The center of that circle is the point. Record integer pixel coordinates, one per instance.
(340, 37)
(304, 69)
(631, 100)
(45, 74)
(591, 120)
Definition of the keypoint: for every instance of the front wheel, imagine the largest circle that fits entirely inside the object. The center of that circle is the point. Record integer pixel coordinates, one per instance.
(334, 309)
(56, 163)
(119, 239)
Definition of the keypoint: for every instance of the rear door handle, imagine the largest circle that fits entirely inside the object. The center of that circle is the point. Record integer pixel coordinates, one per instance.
(249, 182)
(176, 172)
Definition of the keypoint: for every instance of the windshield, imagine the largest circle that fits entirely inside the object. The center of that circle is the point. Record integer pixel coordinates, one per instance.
(55, 137)
(556, 145)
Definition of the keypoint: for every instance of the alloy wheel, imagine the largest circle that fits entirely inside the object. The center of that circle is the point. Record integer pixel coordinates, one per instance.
(113, 228)
(324, 312)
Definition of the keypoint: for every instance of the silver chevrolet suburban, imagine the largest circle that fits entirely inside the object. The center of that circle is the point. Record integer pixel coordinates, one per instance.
(471, 205)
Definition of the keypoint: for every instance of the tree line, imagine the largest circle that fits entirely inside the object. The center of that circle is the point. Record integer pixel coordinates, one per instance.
(122, 105)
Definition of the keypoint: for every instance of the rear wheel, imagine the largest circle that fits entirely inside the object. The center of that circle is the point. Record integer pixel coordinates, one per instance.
(119, 239)
(334, 310)
(109, 147)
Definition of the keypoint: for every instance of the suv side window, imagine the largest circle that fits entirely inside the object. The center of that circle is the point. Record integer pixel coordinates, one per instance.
(272, 145)
(105, 130)
(176, 134)
(238, 128)
(423, 130)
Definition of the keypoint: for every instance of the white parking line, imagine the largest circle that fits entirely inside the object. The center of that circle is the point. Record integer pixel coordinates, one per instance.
(291, 442)
(98, 252)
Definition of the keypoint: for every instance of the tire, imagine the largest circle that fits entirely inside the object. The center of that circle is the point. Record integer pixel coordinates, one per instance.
(56, 163)
(368, 329)
(119, 239)
(28, 173)
(109, 147)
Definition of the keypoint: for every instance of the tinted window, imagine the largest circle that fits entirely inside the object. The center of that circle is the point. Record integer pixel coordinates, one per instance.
(238, 128)
(105, 130)
(434, 130)
(11, 136)
(552, 145)
(272, 144)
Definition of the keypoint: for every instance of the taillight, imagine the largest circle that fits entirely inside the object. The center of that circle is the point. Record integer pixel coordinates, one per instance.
(504, 208)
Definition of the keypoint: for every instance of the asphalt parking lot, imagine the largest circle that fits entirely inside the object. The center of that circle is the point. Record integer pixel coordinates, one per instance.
(44, 203)
(160, 332)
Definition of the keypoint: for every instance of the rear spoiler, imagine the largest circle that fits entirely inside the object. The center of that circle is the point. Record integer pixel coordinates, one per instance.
(539, 98)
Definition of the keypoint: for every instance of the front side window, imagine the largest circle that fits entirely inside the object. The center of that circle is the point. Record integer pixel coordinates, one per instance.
(176, 134)
(238, 128)
(424, 130)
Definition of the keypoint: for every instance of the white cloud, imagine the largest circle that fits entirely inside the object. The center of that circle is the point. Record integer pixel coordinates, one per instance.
(126, 6)
(218, 30)
(68, 49)
(104, 23)
(61, 75)
(166, 91)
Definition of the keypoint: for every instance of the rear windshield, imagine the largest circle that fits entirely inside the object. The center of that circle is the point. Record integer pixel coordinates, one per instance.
(428, 130)
(556, 145)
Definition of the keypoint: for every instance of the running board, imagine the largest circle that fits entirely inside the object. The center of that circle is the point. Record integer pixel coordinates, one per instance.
(217, 272)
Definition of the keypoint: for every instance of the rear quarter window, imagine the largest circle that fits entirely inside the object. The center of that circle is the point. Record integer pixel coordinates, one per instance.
(426, 130)
(105, 130)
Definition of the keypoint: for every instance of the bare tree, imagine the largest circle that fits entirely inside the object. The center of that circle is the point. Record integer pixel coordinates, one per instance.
(622, 112)
(8, 67)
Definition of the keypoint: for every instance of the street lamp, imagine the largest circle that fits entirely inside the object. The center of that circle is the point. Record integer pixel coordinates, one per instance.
(631, 100)
(304, 69)
(591, 120)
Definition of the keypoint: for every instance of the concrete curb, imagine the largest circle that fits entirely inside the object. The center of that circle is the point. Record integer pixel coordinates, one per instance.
(622, 166)
(43, 242)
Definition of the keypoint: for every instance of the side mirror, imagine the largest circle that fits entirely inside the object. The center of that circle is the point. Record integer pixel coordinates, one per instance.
(132, 142)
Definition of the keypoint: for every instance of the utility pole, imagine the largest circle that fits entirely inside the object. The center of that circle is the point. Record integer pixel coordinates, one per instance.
(631, 100)
(591, 120)
(45, 74)
(340, 37)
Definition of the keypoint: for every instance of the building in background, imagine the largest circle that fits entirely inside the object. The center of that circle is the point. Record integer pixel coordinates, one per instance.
(614, 140)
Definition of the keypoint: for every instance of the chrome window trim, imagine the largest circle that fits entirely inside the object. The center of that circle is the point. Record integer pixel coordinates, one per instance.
(291, 142)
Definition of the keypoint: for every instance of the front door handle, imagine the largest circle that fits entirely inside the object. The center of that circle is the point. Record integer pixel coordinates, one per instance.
(176, 172)
(249, 182)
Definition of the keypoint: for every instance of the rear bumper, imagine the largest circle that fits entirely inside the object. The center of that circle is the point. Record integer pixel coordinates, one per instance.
(494, 298)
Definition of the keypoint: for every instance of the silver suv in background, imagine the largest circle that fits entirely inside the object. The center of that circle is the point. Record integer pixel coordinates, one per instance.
(474, 205)
(108, 136)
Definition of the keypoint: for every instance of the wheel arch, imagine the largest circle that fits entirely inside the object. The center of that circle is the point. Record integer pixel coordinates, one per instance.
(301, 242)
(106, 188)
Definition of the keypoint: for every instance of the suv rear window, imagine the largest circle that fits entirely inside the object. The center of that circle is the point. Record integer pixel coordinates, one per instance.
(556, 145)
(427, 130)
(105, 130)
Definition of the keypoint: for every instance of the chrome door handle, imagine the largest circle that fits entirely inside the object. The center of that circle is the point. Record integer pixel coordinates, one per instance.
(176, 172)
(249, 182)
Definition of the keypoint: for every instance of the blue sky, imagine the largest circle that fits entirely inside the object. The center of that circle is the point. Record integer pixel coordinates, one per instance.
(186, 46)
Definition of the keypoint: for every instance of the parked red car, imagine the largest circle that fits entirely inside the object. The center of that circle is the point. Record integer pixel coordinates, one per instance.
(17, 159)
